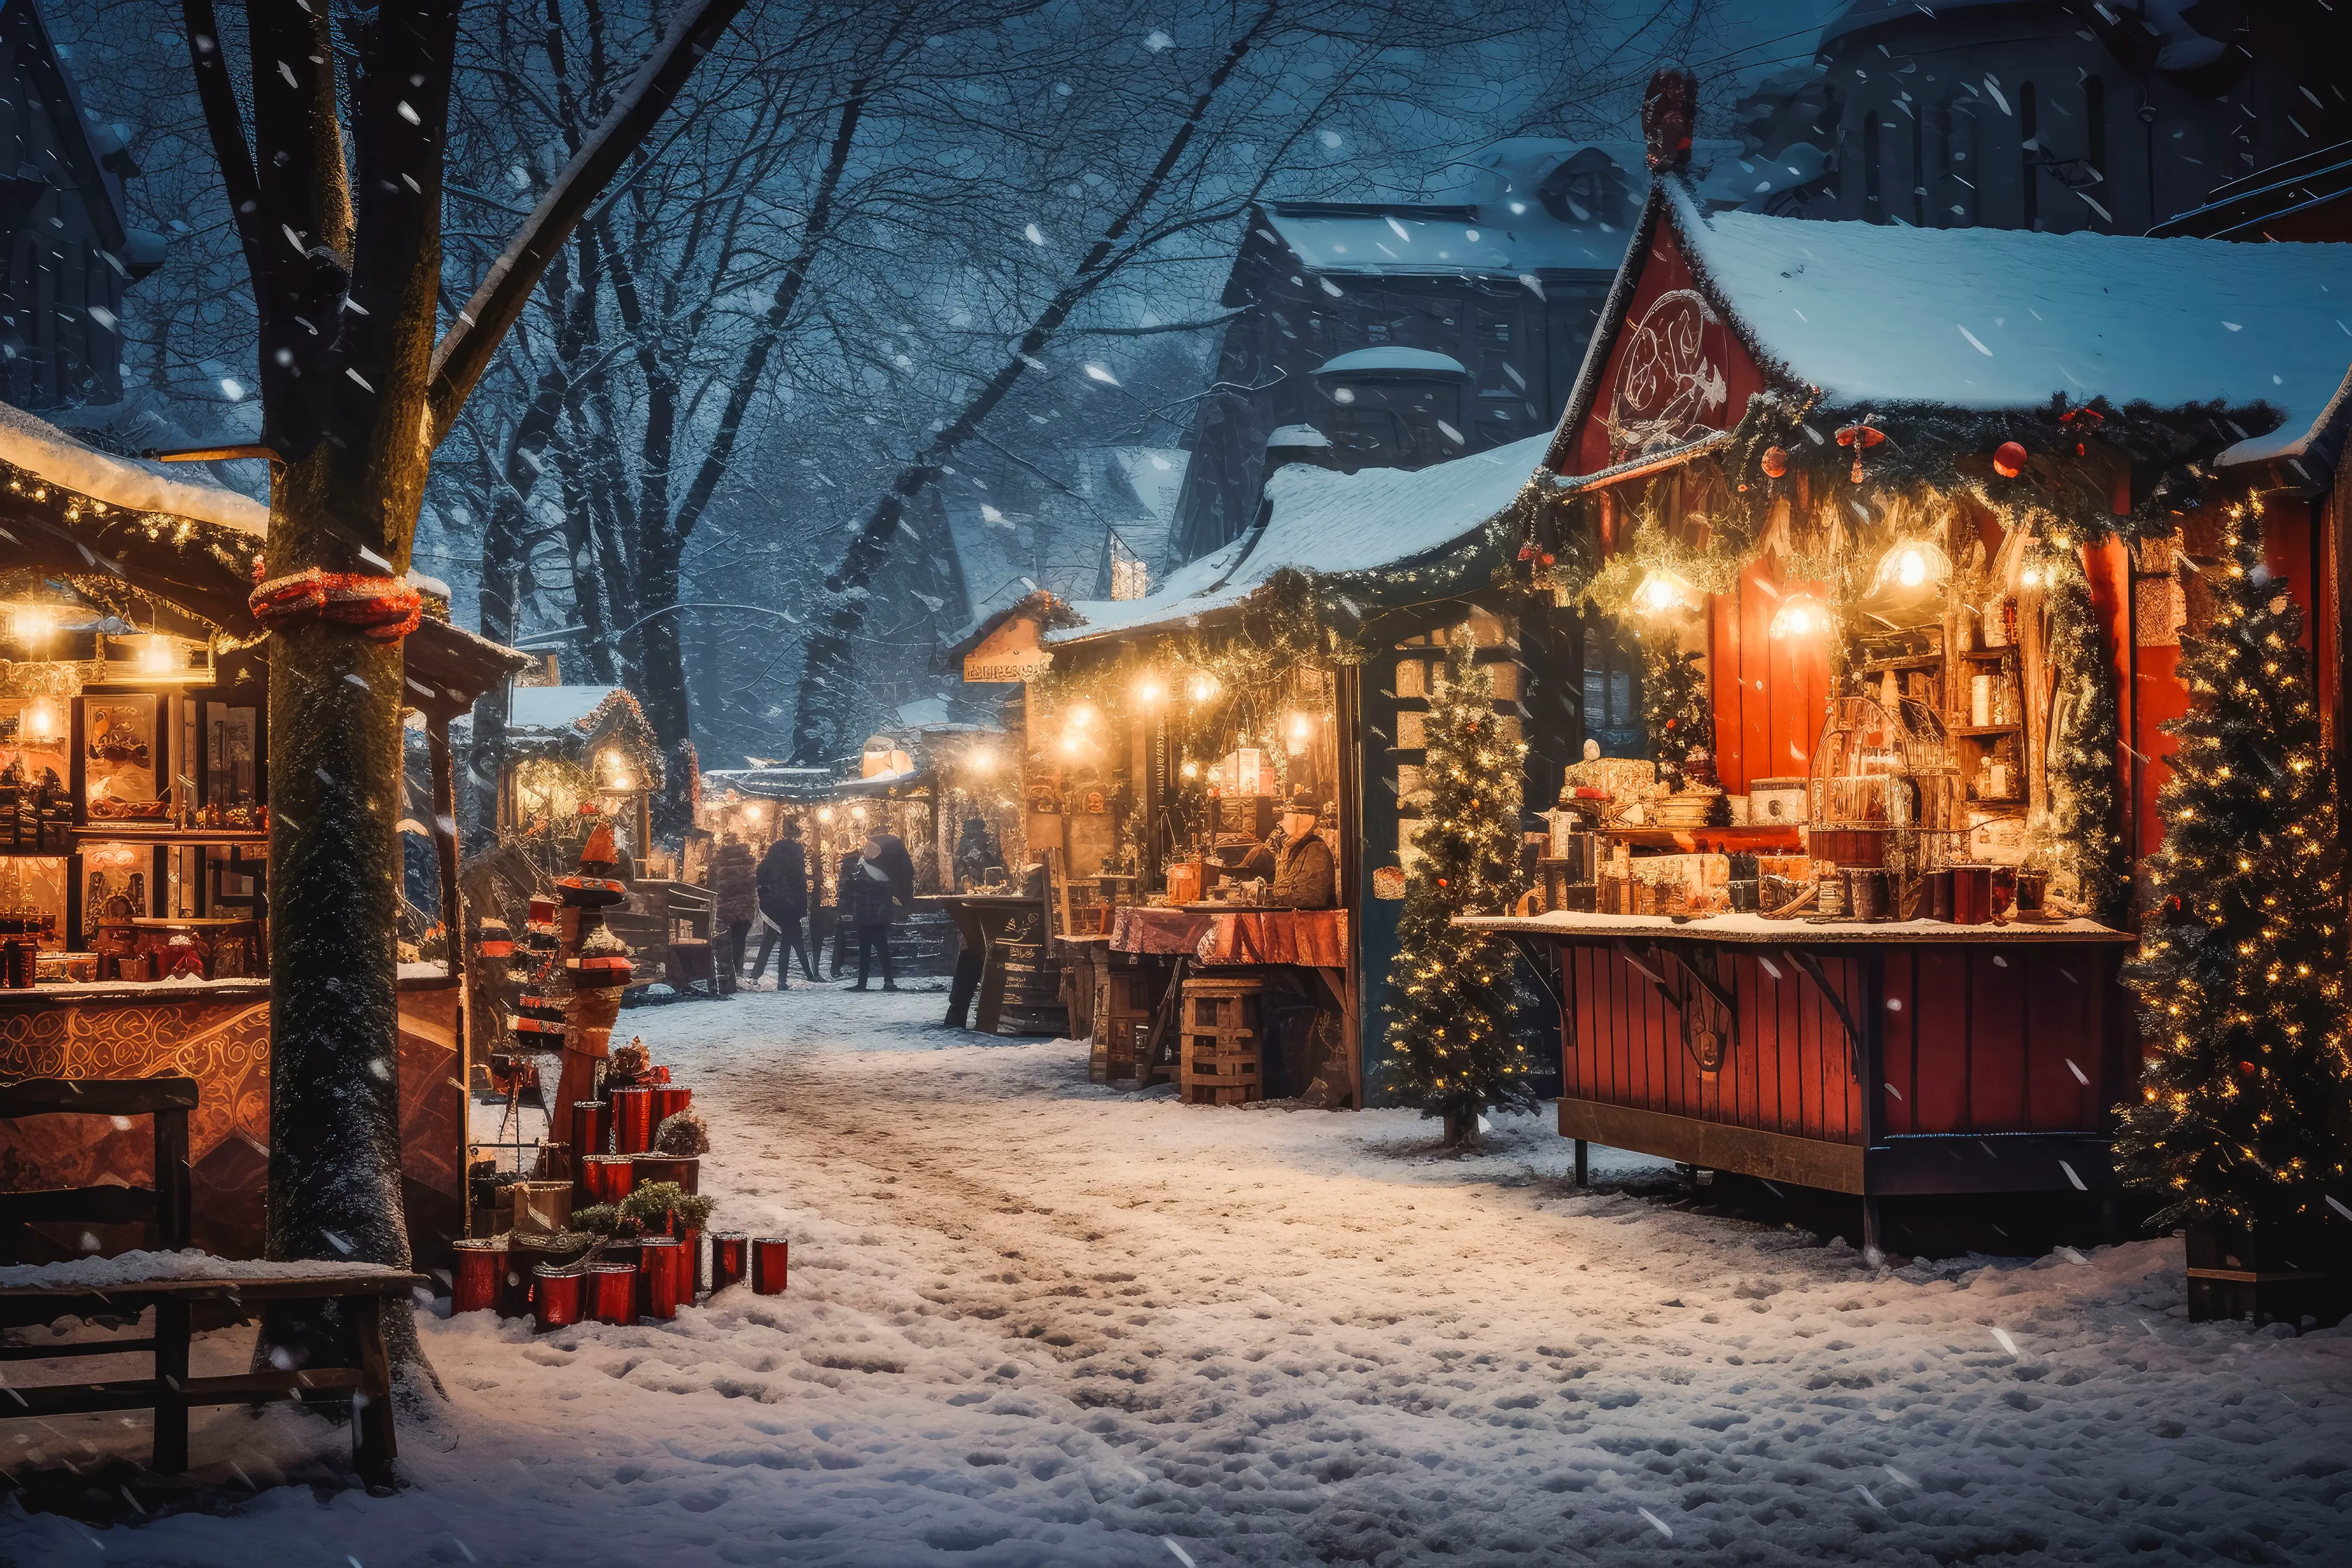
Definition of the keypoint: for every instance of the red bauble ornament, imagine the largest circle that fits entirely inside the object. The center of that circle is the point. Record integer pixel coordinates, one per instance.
(1776, 462)
(2247, 1068)
(2009, 459)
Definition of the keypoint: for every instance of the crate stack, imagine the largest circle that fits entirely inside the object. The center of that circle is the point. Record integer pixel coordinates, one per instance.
(1220, 1033)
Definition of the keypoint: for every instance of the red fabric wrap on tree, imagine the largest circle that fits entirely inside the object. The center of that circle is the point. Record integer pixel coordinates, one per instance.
(381, 609)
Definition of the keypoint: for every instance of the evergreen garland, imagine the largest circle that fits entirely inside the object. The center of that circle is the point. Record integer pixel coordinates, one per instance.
(2240, 972)
(2085, 832)
(1677, 715)
(1450, 991)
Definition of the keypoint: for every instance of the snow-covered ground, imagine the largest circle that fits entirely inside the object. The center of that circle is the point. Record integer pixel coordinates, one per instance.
(1036, 1322)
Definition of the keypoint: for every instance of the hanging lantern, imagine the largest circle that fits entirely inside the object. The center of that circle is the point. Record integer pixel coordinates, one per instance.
(1913, 565)
(2009, 459)
(1776, 462)
(1800, 616)
(1861, 437)
(1661, 593)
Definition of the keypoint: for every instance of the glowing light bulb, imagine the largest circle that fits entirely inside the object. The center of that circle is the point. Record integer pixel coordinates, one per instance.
(1658, 594)
(1191, 769)
(858, 813)
(825, 813)
(1082, 715)
(1203, 688)
(30, 622)
(1911, 569)
(1069, 745)
(155, 656)
(1150, 690)
(982, 761)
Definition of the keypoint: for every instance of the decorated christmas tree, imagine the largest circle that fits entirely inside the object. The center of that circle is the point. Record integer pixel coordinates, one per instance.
(1450, 1047)
(2240, 967)
(1675, 711)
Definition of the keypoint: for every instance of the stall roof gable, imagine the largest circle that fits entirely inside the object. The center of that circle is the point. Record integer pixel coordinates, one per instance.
(1333, 525)
(558, 706)
(1882, 315)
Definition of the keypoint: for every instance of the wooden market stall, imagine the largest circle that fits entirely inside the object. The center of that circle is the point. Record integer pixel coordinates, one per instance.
(134, 841)
(1177, 749)
(1924, 512)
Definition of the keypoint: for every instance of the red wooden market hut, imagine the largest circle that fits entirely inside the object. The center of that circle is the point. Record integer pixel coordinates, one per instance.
(133, 854)
(1925, 510)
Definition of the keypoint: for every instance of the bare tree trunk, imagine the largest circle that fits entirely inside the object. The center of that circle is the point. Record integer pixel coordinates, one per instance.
(356, 398)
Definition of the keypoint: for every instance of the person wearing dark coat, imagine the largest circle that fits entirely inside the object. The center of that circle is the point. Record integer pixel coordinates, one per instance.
(869, 896)
(783, 906)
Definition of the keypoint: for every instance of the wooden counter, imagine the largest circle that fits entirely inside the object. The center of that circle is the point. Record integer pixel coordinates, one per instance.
(218, 1033)
(1899, 1058)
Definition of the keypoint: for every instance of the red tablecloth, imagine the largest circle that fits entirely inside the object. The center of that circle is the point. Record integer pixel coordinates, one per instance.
(1314, 938)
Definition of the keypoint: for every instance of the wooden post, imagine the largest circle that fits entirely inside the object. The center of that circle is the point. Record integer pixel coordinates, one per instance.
(1583, 1174)
(445, 836)
(376, 1449)
(172, 1200)
(170, 1455)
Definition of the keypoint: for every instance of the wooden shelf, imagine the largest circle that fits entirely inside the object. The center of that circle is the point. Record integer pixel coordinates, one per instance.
(1977, 729)
(1988, 655)
(1909, 661)
(96, 834)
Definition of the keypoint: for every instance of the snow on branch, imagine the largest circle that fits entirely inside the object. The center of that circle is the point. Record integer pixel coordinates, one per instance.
(465, 351)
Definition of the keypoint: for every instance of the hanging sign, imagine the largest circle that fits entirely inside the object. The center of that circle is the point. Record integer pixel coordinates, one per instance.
(1670, 382)
(1008, 653)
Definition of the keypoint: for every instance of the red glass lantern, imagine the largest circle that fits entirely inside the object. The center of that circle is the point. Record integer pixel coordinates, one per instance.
(608, 1178)
(728, 1249)
(481, 1267)
(661, 1261)
(588, 1128)
(557, 1296)
(611, 1292)
(633, 1121)
(769, 1255)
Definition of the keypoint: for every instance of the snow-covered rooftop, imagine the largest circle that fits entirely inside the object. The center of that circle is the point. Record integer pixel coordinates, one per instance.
(555, 707)
(1882, 315)
(44, 450)
(1332, 525)
(1393, 358)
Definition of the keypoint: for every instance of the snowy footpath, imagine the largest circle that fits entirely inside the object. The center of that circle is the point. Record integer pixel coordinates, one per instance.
(1033, 1320)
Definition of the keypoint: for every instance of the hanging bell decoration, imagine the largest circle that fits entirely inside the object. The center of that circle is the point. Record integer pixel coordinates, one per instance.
(1860, 436)
(2009, 459)
(2084, 423)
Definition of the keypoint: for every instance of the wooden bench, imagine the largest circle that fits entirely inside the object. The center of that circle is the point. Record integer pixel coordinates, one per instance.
(172, 1393)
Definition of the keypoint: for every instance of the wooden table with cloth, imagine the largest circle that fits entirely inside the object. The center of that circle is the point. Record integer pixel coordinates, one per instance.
(1309, 999)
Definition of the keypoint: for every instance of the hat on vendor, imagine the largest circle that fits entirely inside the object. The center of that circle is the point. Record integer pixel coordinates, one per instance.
(1302, 803)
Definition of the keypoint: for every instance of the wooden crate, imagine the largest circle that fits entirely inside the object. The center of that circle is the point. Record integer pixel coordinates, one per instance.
(1033, 991)
(1220, 1029)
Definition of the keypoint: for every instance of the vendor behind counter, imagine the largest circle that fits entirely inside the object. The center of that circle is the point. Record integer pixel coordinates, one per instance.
(1294, 859)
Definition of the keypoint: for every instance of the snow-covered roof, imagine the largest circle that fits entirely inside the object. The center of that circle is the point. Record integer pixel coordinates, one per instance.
(1059, 542)
(1391, 358)
(1298, 436)
(42, 449)
(1332, 525)
(1881, 315)
(555, 707)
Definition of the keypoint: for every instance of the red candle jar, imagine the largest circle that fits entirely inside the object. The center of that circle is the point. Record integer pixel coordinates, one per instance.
(767, 1258)
(633, 1121)
(690, 1241)
(668, 1101)
(481, 1268)
(608, 1178)
(660, 1264)
(557, 1296)
(726, 1258)
(588, 1128)
(611, 1292)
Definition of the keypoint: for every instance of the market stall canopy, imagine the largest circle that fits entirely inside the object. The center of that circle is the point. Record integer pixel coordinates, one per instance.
(72, 511)
(581, 723)
(1881, 318)
(1337, 526)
